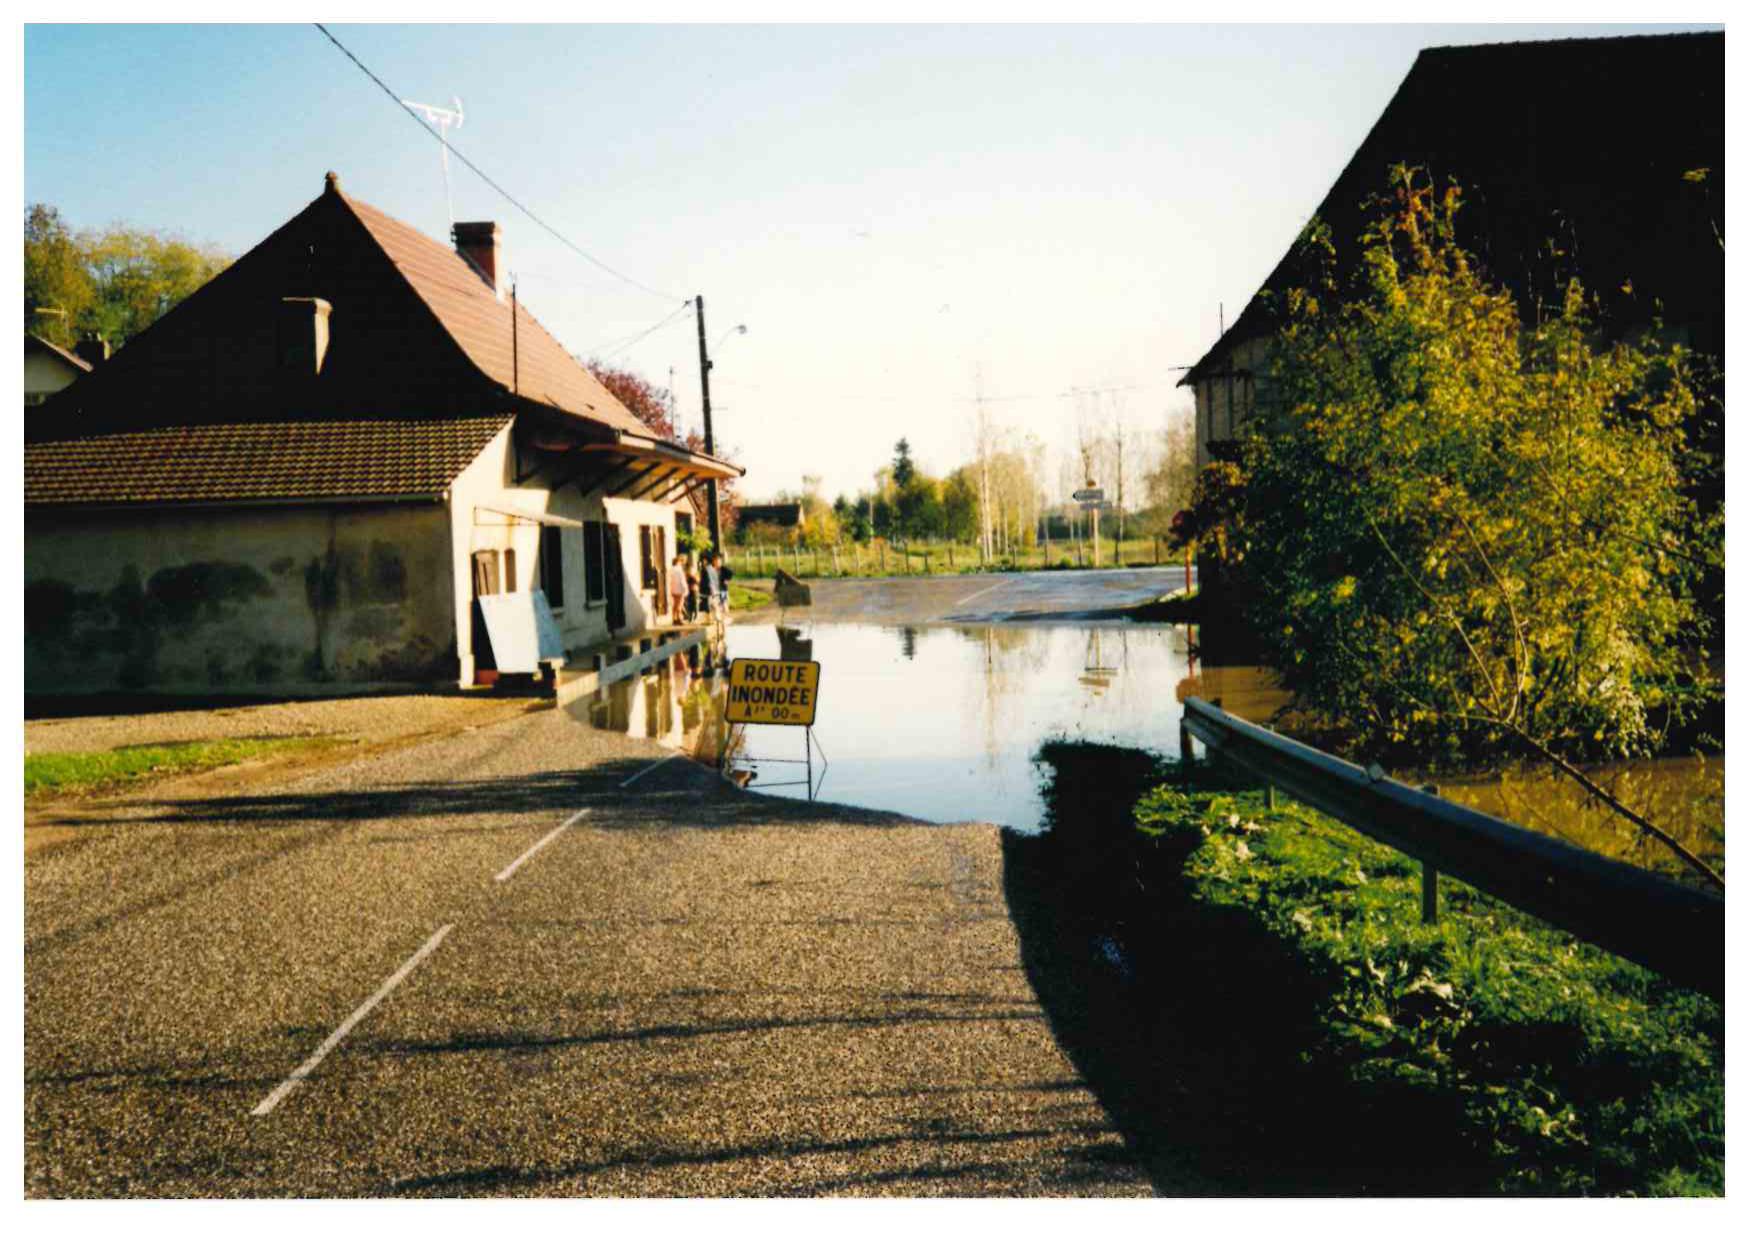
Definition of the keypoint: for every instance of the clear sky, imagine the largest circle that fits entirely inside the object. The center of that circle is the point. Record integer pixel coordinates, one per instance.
(888, 209)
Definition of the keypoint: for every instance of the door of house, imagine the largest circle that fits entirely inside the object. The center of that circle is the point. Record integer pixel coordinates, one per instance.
(615, 567)
(485, 581)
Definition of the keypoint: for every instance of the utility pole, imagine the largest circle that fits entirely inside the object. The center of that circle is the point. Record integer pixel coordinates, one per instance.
(709, 433)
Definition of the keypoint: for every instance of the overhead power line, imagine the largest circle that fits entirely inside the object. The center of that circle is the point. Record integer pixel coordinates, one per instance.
(484, 176)
(613, 350)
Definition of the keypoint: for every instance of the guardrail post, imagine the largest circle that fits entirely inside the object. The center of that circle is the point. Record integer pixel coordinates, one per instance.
(1186, 755)
(1428, 895)
(1270, 797)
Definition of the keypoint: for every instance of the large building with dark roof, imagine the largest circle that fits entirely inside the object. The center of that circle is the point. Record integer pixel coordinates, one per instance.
(310, 473)
(1596, 158)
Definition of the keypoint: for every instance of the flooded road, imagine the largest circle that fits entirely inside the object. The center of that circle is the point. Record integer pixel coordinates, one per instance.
(943, 722)
(937, 722)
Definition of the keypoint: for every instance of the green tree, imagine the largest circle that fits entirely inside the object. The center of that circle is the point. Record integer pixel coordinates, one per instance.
(1466, 536)
(114, 283)
(918, 505)
(138, 276)
(55, 278)
(903, 468)
(959, 505)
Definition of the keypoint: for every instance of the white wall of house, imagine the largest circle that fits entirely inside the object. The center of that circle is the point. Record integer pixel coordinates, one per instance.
(45, 374)
(490, 481)
(287, 599)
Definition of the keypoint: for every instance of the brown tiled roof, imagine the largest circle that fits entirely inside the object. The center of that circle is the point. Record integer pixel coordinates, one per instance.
(529, 361)
(257, 461)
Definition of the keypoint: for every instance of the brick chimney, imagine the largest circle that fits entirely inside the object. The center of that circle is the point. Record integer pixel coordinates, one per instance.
(480, 243)
(93, 351)
(303, 336)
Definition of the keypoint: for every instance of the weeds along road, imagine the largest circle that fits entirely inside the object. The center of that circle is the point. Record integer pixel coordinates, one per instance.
(409, 975)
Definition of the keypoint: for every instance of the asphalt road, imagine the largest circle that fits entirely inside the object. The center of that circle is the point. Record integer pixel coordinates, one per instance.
(689, 990)
(985, 598)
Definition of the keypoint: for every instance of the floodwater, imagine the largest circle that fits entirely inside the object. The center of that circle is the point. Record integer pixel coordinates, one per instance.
(943, 723)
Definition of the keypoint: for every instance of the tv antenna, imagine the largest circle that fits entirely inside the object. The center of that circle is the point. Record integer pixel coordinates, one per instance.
(442, 118)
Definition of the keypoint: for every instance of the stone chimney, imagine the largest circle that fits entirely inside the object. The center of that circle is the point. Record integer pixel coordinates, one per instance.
(480, 243)
(303, 336)
(93, 351)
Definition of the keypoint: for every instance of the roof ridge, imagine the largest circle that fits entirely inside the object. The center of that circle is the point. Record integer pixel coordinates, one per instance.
(1573, 39)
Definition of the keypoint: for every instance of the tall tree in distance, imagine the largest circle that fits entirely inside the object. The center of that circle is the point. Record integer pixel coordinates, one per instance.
(903, 468)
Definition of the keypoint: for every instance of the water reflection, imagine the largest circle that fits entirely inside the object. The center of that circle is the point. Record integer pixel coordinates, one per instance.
(942, 723)
(1684, 796)
(939, 723)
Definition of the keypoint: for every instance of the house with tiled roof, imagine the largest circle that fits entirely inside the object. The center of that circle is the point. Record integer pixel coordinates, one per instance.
(343, 462)
(48, 368)
(1596, 158)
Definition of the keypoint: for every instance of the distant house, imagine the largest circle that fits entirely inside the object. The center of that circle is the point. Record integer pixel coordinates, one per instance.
(48, 368)
(1601, 158)
(784, 515)
(312, 471)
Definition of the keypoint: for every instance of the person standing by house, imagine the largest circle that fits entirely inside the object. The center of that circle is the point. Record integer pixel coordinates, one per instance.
(724, 575)
(712, 585)
(677, 587)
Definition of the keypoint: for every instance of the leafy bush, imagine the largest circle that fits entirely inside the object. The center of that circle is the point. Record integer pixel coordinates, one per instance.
(1465, 534)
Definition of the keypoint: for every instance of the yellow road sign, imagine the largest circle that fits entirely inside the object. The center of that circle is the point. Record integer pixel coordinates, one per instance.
(773, 691)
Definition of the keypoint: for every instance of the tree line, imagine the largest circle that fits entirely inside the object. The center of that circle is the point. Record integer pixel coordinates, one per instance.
(111, 283)
(1005, 499)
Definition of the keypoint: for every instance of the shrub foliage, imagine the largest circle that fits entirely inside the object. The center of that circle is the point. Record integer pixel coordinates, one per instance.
(1466, 533)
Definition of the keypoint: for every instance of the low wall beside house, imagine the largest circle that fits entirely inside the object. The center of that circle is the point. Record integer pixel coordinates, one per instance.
(283, 600)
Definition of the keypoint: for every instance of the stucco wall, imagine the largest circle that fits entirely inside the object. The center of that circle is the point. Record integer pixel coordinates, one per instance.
(233, 600)
(44, 374)
(490, 480)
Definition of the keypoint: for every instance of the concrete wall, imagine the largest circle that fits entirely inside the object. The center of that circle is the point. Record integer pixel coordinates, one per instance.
(491, 480)
(294, 599)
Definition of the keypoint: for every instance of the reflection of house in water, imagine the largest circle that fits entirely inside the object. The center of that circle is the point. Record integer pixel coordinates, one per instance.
(673, 704)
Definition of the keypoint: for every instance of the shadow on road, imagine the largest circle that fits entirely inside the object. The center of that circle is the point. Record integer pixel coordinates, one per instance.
(1191, 1028)
(666, 796)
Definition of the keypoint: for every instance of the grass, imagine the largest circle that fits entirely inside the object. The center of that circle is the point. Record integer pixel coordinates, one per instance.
(938, 559)
(744, 598)
(93, 771)
(1557, 1067)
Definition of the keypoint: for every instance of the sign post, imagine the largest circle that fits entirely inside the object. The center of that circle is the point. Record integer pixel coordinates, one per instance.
(782, 692)
(1092, 498)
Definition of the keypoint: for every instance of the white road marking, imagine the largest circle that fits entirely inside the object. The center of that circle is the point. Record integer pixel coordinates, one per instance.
(987, 590)
(542, 842)
(334, 1039)
(646, 770)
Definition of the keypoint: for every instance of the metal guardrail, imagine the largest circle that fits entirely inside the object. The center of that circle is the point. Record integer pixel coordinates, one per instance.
(1671, 929)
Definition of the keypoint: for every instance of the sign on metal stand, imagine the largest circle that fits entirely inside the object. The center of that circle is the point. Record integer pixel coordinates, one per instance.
(779, 692)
